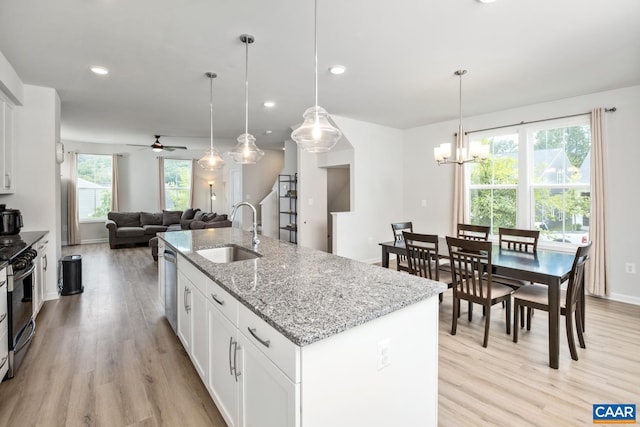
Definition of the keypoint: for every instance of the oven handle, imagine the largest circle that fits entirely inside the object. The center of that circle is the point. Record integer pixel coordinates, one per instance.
(31, 323)
(24, 273)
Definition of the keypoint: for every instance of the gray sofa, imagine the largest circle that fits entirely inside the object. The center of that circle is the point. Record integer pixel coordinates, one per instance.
(126, 228)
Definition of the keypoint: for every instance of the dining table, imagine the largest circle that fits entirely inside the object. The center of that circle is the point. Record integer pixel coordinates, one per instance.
(544, 266)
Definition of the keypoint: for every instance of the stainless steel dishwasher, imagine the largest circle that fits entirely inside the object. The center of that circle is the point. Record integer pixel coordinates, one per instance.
(171, 288)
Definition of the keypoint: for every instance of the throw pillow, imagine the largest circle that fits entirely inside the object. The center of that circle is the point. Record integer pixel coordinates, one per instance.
(198, 216)
(171, 217)
(147, 218)
(189, 213)
(220, 218)
(209, 216)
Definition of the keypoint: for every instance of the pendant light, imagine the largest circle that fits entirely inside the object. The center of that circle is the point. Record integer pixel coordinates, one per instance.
(246, 151)
(316, 134)
(212, 160)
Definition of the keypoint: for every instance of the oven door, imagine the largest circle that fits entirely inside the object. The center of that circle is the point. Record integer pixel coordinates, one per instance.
(22, 327)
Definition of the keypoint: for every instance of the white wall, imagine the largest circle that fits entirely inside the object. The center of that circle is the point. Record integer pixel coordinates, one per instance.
(376, 189)
(424, 180)
(258, 181)
(36, 172)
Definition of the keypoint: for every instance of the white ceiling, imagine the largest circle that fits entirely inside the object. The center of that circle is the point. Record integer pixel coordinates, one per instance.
(400, 58)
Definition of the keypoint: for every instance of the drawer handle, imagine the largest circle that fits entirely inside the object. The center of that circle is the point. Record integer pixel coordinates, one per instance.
(4, 316)
(3, 283)
(4, 360)
(265, 343)
(221, 302)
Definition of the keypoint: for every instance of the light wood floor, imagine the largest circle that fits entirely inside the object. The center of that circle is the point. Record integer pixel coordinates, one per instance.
(108, 357)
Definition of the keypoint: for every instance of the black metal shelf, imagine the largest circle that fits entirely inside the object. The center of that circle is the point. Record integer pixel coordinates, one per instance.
(288, 206)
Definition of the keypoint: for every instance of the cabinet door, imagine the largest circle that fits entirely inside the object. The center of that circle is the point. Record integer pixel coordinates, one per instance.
(6, 146)
(199, 335)
(223, 355)
(184, 311)
(268, 398)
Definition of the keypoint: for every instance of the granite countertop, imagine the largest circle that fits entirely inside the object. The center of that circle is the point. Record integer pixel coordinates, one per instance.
(307, 295)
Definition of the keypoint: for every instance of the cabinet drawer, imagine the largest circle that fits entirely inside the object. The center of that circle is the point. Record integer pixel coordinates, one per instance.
(223, 301)
(282, 352)
(194, 275)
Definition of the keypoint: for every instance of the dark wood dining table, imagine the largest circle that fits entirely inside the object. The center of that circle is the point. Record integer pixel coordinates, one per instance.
(545, 266)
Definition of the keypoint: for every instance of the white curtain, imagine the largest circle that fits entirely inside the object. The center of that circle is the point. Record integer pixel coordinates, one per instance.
(161, 182)
(597, 272)
(115, 195)
(459, 198)
(194, 163)
(73, 223)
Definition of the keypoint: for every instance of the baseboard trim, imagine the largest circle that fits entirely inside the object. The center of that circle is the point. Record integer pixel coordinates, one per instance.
(620, 298)
(90, 241)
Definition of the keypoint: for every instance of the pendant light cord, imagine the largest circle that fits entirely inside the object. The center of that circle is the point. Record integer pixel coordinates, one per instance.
(246, 87)
(315, 44)
(211, 110)
(460, 103)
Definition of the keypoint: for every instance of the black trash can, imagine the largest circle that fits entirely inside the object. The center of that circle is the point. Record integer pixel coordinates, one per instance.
(71, 275)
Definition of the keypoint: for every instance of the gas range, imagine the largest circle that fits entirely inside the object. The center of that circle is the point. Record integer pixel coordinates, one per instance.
(12, 246)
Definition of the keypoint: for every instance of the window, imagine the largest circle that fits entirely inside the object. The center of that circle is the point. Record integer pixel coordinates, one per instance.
(537, 177)
(94, 186)
(177, 184)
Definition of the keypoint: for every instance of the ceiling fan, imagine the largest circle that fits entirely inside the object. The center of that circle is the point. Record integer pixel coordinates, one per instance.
(158, 146)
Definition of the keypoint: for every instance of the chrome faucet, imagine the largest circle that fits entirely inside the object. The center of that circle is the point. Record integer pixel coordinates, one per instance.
(255, 219)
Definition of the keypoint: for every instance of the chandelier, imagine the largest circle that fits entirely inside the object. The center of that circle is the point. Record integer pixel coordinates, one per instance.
(476, 152)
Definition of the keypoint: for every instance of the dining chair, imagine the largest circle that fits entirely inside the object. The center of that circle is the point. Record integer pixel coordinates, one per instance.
(473, 232)
(423, 257)
(472, 281)
(398, 228)
(536, 296)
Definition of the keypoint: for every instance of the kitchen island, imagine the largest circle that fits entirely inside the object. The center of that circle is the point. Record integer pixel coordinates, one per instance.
(300, 337)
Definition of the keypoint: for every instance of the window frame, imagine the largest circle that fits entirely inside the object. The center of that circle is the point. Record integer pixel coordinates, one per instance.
(164, 184)
(525, 187)
(89, 220)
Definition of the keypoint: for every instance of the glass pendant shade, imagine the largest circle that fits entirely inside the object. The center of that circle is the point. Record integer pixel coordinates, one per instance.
(211, 161)
(246, 152)
(316, 134)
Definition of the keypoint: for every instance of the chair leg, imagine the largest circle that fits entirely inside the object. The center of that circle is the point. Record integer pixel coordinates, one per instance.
(487, 321)
(440, 297)
(579, 318)
(456, 313)
(521, 318)
(569, 326)
(529, 310)
(516, 312)
(470, 311)
(508, 315)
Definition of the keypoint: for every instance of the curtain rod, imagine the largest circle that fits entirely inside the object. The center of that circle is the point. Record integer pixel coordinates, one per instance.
(608, 110)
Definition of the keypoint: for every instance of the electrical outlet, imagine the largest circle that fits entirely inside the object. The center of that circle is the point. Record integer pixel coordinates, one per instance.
(630, 268)
(384, 354)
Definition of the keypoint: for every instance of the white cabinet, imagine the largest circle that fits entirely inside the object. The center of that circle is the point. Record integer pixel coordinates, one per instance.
(223, 359)
(39, 281)
(192, 318)
(268, 398)
(7, 143)
(4, 331)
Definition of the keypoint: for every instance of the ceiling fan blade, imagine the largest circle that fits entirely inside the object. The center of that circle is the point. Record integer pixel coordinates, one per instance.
(138, 145)
(174, 147)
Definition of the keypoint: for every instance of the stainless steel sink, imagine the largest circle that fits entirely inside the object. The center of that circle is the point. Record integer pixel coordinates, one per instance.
(228, 253)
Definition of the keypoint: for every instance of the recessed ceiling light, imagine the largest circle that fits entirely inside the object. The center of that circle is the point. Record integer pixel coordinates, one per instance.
(102, 71)
(268, 132)
(269, 104)
(337, 69)
(486, 1)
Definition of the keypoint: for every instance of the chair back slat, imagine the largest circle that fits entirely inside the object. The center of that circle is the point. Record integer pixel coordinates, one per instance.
(518, 239)
(576, 282)
(422, 255)
(473, 232)
(471, 267)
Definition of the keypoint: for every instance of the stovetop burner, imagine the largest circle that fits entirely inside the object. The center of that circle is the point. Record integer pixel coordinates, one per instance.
(11, 240)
